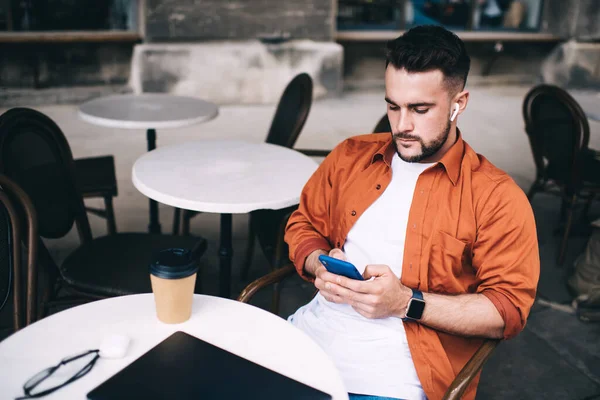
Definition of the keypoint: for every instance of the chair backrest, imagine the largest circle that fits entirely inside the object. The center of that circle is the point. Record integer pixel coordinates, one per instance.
(35, 154)
(558, 132)
(383, 126)
(292, 111)
(10, 275)
(17, 212)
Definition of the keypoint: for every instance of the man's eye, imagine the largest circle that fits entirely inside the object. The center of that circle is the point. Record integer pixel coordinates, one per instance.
(393, 108)
(421, 110)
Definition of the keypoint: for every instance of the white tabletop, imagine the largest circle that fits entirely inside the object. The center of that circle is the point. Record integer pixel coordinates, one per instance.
(242, 329)
(223, 176)
(147, 111)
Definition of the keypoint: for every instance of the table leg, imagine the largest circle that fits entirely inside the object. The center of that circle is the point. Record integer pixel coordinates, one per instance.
(154, 226)
(225, 255)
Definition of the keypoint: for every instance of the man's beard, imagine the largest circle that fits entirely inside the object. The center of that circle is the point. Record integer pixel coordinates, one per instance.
(427, 150)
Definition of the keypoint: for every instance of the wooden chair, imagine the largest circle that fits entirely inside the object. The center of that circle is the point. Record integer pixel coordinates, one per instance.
(35, 154)
(460, 383)
(95, 177)
(18, 237)
(559, 133)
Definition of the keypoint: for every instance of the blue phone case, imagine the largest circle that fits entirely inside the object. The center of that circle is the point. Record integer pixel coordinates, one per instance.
(340, 267)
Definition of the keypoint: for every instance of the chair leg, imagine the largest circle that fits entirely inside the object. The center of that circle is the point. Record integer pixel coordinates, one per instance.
(588, 204)
(111, 224)
(569, 221)
(249, 250)
(176, 221)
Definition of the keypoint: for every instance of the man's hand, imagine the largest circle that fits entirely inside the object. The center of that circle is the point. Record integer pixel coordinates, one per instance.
(381, 297)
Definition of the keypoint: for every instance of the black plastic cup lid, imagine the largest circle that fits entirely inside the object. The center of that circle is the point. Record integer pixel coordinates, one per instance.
(173, 264)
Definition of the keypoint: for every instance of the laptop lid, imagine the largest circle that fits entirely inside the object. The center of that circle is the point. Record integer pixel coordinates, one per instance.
(185, 367)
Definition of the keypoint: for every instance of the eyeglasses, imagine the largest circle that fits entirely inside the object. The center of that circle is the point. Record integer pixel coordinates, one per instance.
(41, 376)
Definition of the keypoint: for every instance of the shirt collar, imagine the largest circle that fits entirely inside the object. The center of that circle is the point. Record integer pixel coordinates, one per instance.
(451, 161)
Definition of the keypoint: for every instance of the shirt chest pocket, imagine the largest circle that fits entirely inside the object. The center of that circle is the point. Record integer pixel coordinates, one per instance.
(447, 260)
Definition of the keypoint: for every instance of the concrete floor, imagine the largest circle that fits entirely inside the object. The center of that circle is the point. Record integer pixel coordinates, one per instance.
(556, 357)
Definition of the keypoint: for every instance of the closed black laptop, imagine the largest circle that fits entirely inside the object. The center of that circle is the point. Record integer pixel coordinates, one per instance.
(185, 367)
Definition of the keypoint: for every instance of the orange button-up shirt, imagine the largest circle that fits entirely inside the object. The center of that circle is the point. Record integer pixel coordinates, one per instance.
(470, 230)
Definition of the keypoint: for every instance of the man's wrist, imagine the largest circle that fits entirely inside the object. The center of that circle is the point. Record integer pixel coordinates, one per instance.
(312, 262)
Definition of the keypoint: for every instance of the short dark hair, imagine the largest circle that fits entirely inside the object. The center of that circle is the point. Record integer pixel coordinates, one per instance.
(427, 48)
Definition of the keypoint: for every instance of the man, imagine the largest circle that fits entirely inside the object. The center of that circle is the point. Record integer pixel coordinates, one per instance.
(423, 217)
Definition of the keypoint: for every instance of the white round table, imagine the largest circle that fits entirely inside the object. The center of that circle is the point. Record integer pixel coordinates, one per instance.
(240, 328)
(225, 177)
(147, 111)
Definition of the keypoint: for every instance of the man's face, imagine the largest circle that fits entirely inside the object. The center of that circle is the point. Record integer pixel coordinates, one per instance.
(419, 114)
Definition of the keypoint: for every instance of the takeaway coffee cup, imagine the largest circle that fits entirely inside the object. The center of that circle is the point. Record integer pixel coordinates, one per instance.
(173, 277)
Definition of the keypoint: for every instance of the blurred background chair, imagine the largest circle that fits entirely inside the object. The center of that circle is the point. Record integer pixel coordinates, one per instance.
(96, 178)
(35, 154)
(558, 133)
(460, 384)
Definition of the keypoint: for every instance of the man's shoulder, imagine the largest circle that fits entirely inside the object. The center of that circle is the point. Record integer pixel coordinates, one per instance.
(492, 183)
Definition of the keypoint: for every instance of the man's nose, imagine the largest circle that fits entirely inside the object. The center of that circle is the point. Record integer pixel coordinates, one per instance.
(405, 123)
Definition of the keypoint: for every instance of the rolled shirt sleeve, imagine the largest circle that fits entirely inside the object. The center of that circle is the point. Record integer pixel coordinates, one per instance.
(506, 254)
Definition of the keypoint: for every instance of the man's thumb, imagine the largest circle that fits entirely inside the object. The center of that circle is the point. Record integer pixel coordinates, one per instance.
(337, 253)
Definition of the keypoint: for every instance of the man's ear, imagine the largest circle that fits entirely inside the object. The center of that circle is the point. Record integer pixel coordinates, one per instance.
(461, 99)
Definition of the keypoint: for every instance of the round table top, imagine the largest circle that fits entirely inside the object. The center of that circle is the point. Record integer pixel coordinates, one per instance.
(222, 176)
(242, 329)
(147, 111)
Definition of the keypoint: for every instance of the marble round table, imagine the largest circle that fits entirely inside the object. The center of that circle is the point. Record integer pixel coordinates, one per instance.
(150, 111)
(224, 177)
(242, 329)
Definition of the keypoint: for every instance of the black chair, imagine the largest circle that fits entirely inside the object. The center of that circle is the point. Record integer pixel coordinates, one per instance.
(95, 177)
(383, 125)
(35, 154)
(558, 133)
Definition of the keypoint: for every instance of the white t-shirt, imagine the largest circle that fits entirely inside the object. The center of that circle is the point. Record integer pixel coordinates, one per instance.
(372, 355)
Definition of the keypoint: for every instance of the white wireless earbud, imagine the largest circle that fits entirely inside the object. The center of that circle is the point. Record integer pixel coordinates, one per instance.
(455, 112)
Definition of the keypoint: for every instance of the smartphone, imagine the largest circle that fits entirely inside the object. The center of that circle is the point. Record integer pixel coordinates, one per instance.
(340, 267)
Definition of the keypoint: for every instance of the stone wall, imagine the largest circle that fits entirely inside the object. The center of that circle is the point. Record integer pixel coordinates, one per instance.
(192, 20)
(235, 72)
(64, 64)
(576, 62)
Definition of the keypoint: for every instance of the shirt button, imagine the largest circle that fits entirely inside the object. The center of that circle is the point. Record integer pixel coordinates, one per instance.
(378, 187)
(353, 213)
(421, 192)
(414, 226)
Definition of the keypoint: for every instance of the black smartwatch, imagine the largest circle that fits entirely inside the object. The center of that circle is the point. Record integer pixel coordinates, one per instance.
(415, 306)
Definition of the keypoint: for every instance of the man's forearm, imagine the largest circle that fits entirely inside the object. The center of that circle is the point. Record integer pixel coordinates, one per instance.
(463, 315)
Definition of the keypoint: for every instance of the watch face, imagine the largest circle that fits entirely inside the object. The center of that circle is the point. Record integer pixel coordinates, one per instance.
(415, 308)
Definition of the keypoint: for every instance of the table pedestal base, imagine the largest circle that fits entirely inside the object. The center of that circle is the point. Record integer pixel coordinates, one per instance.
(225, 256)
(154, 226)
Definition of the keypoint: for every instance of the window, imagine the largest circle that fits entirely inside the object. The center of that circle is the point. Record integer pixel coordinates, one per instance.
(458, 15)
(68, 15)
(521, 15)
